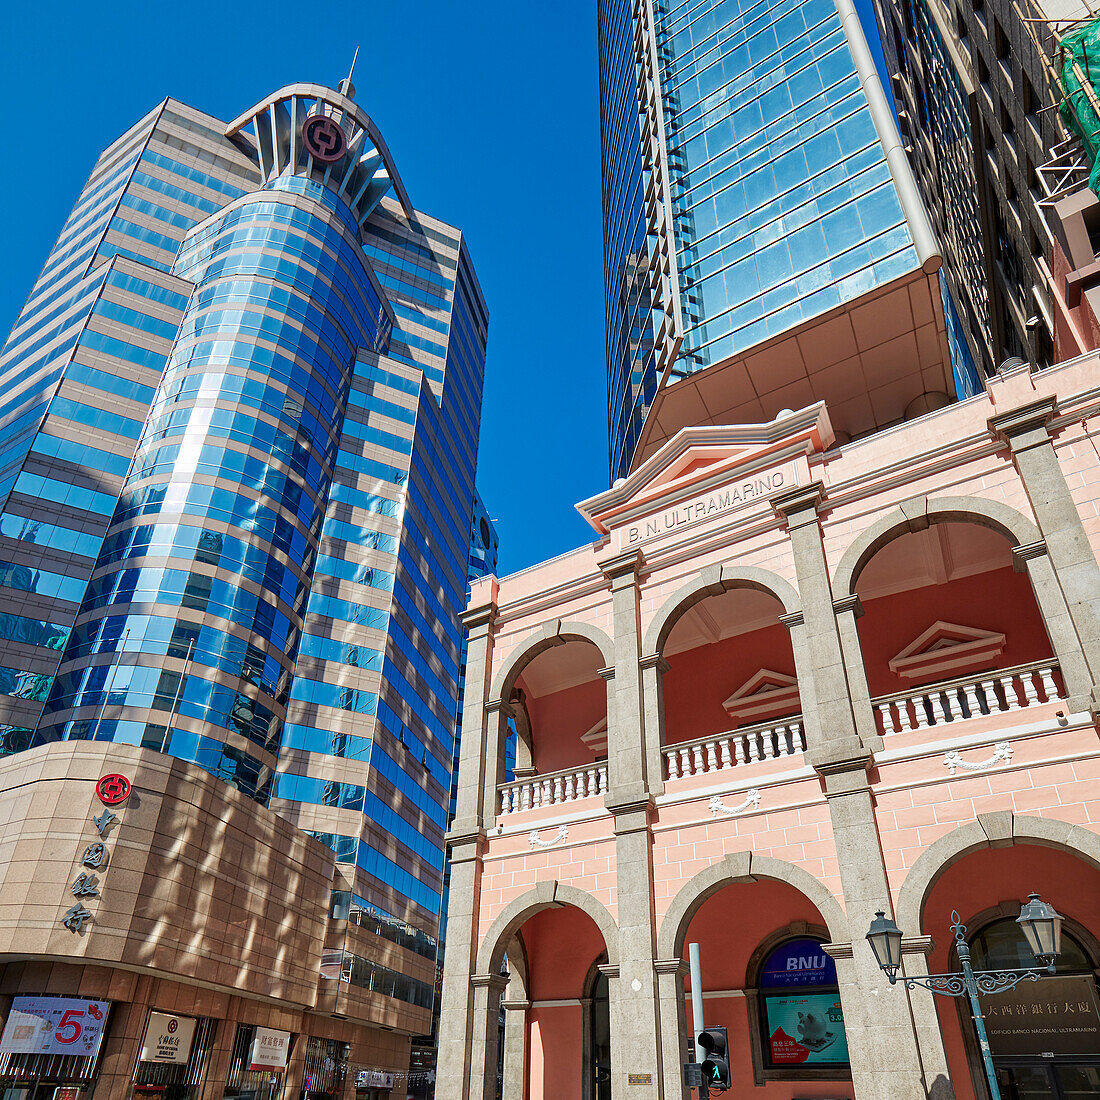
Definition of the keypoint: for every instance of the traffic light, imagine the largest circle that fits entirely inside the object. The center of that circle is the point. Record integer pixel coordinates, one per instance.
(716, 1066)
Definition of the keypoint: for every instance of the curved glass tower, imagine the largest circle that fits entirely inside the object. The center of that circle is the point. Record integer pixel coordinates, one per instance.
(240, 490)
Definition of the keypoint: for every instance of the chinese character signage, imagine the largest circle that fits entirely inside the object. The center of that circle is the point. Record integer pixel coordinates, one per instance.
(806, 1030)
(269, 1049)
(1051, 1016)
(167, 1038)
(798, 963)
(54, 1025)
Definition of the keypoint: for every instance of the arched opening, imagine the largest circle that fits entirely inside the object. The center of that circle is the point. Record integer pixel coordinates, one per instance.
(568, 1023)
(1044, 1035)
(950, 631)
(784, 1026)
(730, 694)
(558, 729)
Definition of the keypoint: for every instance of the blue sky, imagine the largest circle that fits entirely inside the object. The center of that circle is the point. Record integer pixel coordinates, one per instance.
(491, 111)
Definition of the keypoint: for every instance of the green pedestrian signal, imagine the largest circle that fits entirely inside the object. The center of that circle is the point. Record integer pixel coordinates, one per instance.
(716, 1066)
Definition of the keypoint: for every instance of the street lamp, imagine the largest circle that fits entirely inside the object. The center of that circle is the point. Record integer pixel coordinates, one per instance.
(1041, 926)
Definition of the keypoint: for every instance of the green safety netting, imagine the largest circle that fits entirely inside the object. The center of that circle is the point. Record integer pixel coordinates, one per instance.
(1082, 48)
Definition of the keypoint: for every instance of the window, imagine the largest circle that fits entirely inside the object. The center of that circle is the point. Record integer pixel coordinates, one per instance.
(801, 1020)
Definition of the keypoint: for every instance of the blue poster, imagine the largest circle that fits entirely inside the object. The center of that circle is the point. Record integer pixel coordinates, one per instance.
(806, 1030)
(799, 962)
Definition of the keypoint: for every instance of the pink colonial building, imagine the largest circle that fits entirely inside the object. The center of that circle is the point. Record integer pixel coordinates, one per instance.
(790, 683)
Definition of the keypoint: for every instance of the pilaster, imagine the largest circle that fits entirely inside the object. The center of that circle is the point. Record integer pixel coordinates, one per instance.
(882, 1040)
(653, 667)
(832, 736)
(515, 1047)
(466, 839)
(484, 1039)
(635, 1045)
(673, 1017)
(626, 757)
(1026, 431)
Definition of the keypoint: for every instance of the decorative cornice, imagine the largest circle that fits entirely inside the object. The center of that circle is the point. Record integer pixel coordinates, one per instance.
(515, 1006)
(479, 616)
(1034, 416)
(609, 970)
(653, 660)
(481, 981)
(628, 564)
(499, 706)
(850, 603)
(1024, 553)
(606, 673)
(792, 618)
(802, 502)
(670, 966)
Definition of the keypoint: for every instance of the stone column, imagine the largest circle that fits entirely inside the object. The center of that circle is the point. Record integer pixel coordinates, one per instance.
(626, 759)
(466, 838)
(653, 667)
(827, 714)
(1026, 430)
(847, 610)
(1034, 560)
(515, 1048)
(882, 1040)
(673, 1017)
(635, 1044)
(484, 1038)
(839, 732)
(914, 964)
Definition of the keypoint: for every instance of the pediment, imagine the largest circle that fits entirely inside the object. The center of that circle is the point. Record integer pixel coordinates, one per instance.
(765, 694)
(947, 649)
(595, 739)
(702, 457)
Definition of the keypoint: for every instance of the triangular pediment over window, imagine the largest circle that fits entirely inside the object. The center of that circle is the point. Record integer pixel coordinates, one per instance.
(766, 694)
(947, 649)
(595, 740)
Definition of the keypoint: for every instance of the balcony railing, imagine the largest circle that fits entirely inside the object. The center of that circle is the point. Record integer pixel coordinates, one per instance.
(971, 697)
(768, 741)
(554, 788)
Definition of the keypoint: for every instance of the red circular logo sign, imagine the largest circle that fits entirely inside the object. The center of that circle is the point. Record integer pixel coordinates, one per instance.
(113, 789)
(324, 139)
(172, 1026)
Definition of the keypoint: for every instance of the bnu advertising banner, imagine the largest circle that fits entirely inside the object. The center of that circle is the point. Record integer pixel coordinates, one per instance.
(269, 1049)
(807, 1030)
(54, 1025)
(167, 1038)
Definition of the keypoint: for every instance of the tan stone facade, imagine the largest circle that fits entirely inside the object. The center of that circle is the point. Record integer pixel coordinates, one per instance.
(206, 905)
(790, 684)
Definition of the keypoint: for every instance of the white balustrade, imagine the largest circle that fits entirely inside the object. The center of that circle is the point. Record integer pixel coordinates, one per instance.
(957, 700)
(539, 791)
(738, 747)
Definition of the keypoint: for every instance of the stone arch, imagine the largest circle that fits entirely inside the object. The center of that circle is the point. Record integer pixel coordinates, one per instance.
(543, 896)
(550, 634)
(999, 829)
(713, 581)
(744, 867)
(921, 512)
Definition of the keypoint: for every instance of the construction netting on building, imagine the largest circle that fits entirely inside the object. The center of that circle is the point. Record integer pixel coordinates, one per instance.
(1078, 68)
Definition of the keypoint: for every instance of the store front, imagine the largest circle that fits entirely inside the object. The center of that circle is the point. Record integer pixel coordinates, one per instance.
(257, 1064)
(50, 1047)
(171, 1064)
(1044, 1035)
(326, 1068)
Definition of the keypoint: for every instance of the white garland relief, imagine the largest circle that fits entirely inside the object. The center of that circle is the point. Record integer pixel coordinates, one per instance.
(952, 760)
(557, 838)
(752, 798)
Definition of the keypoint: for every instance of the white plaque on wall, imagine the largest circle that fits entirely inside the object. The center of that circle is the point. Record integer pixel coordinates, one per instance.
(168, 1038)
(269, 1049)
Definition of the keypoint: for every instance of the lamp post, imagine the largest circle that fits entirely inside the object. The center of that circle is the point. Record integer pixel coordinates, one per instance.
(1042, 928)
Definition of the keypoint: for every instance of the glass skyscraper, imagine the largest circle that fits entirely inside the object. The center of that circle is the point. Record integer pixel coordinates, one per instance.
(753, 183)
(240, 422)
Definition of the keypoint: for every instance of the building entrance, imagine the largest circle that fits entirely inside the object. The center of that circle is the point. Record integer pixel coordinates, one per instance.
(1045, 1035)
(1049, 1082)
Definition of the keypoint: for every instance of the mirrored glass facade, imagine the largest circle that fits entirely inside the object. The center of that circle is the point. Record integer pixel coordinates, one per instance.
(782, 202)
(240, 484)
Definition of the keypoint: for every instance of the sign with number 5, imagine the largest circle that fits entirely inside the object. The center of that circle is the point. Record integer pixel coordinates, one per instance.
(54, 1025)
